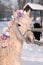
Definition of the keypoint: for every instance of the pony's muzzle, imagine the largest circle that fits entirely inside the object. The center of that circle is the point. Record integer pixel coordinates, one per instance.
(29, 37)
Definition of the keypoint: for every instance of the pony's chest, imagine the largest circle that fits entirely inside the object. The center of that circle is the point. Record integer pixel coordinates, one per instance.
(11, 54)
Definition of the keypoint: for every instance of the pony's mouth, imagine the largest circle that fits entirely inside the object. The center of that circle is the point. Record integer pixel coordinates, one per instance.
(28, 39)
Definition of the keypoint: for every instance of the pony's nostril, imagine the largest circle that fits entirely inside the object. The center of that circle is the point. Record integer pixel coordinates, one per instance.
(28, 39)
(19, 25)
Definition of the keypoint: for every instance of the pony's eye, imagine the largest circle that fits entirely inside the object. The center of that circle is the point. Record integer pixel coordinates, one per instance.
(19, 24)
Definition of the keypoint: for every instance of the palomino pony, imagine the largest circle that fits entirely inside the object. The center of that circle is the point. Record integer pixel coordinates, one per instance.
(11, 55)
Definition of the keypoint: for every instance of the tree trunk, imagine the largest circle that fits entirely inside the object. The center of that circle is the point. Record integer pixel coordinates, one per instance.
(21, 3)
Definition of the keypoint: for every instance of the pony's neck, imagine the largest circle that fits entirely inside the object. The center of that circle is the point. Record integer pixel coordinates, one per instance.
(14, 39)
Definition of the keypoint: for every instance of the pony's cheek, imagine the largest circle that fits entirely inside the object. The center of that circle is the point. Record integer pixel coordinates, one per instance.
(22, 30)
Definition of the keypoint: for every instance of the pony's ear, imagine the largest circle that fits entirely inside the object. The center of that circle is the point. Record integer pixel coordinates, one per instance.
(28, 13)
(14, 14)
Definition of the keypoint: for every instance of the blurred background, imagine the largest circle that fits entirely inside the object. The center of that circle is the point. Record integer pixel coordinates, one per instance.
(31, 54)
(6, 6)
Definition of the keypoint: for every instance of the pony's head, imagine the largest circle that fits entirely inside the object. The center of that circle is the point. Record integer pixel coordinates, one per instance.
(24, 23)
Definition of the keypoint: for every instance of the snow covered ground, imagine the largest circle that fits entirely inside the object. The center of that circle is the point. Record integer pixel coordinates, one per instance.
(32, 54)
